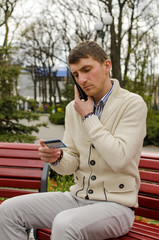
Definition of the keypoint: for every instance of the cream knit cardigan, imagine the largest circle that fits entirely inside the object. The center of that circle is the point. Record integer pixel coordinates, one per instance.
(104, 154)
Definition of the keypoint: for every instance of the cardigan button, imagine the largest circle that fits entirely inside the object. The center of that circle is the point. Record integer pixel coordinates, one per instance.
(93, 177)
(86, 197)
(92, 162)
(90, 191)
(121, 186)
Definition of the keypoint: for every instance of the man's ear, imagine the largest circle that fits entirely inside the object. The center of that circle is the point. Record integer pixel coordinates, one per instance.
(107, 65)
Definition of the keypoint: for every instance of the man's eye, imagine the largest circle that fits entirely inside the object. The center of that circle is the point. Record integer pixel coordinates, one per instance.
(87, 70)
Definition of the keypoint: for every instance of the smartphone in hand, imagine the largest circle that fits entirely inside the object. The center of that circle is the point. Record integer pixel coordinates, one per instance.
(55, 143)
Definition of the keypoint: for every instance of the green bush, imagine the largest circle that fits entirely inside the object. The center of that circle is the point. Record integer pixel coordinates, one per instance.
(60, 183)
(152, 137)
(57, 118)
(63, 183)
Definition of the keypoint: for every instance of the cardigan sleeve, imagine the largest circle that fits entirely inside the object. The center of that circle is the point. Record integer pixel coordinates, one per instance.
(118, 148)
(70, 160)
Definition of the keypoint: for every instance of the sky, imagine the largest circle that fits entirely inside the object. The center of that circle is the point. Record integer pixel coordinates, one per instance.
(26, 11)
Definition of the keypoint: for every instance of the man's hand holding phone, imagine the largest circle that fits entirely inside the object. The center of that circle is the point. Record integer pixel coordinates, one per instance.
(83, 107)
(48, 154)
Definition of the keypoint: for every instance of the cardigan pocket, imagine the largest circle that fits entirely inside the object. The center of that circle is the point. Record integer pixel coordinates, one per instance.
(119, 185)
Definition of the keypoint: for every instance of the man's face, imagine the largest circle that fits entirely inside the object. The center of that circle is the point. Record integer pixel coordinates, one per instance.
(92, 76)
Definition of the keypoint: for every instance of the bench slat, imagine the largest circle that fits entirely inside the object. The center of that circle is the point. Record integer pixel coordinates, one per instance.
(20, 183)
(17, 146)
(14, 153)
(21, 173)
(21, 162)
(147, 226)
(149, 188)
(145, 232)
(148, 202)
(141, 236)
(148, 213)
(149, 163)
(150, 155)
(8, 193)
(44, 234)
(149, 176)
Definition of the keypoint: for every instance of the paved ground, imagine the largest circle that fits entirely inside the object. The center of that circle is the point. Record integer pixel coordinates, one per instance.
(52, 132)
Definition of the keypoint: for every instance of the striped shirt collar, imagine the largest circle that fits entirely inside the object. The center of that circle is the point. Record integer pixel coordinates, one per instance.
(98, 109)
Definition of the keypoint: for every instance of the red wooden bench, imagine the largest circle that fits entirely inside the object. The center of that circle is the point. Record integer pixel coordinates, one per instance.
(148, 202)
(21, 170)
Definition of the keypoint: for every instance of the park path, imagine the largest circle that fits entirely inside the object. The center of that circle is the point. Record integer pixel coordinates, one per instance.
(47, 133)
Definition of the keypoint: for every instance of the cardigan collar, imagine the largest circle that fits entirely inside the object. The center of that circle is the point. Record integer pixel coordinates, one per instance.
(118, 94)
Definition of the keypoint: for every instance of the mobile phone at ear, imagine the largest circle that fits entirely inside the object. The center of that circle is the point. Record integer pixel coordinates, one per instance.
(82, 94)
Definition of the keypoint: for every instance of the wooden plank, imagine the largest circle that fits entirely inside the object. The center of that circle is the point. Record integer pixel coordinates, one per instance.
(149, 188)
(149, 163)
(145, 232)
(8, 193)
(20, 183)
(150, 155)
(21, 162)
(149, 176)
(43, 236)
(21, 173)
(4, 145)
(139, 237)
(45, 230)
(148, 202)
(14, 153)
(146, 226)
(148, 213)
(142, 236)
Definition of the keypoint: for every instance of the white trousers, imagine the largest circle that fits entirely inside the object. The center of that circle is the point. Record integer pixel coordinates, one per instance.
(69, 217)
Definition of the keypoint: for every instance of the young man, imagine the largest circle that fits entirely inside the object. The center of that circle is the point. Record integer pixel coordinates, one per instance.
(104, 137)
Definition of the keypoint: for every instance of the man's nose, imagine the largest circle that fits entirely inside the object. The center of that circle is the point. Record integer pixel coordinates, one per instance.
(82, 78)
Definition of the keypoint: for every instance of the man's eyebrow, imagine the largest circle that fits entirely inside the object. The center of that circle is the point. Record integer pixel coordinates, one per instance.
(82, 68)
(85, 66)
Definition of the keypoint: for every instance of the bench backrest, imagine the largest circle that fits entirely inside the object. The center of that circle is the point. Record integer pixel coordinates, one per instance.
(21, 170)
(149, 189)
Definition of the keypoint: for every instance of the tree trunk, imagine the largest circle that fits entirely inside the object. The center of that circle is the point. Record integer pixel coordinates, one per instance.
(115, 56)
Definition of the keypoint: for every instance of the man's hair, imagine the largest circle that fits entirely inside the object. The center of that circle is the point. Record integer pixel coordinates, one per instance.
(87, 49)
